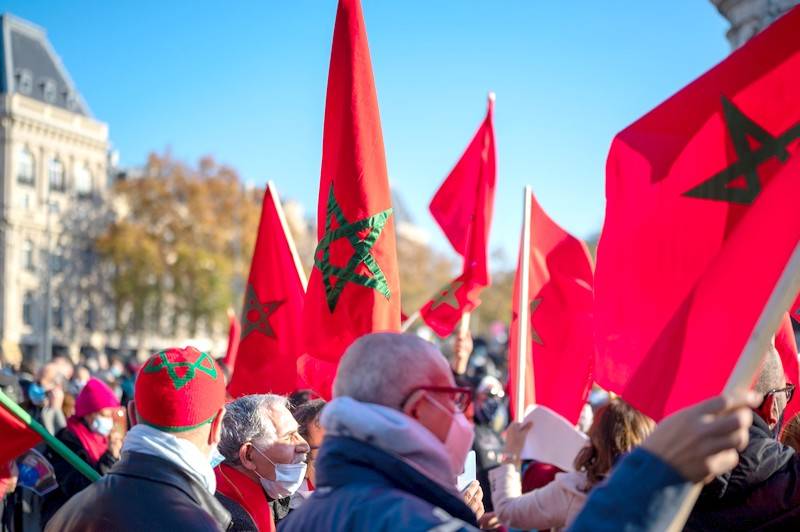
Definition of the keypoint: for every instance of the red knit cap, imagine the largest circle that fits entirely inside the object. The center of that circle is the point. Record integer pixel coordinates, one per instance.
(179, 389)
(95, 396)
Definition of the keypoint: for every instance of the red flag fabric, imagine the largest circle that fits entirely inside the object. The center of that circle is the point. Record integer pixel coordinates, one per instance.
(234, 336)
(700, 224)
(463, 208)
(786, 345)
(560, 342)
(273, 305)
(354, 287)
(17, 437)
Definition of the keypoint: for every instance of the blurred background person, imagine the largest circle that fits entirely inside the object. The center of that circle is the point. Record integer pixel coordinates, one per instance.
(308, 417)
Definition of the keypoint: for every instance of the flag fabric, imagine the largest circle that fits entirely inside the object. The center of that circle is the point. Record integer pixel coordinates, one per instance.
(17, 436)
(234, 336)
(786, 345)
(354, 287)
(560, 333)
(463, 208)
(700, 224)
(271, 341)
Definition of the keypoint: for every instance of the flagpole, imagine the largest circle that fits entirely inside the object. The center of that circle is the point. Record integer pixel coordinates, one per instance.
(73, 459)
(522, 308)
(297, 263)
(409, 322)
(782, 297)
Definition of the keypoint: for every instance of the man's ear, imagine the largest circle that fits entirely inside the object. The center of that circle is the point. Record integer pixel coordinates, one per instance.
(132, 413)
(244, 457)
(767, 410)
(412, 405)
(215, 434)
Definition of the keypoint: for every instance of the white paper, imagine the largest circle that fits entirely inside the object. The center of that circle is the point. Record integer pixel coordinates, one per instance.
(469, 474)
(552, 439)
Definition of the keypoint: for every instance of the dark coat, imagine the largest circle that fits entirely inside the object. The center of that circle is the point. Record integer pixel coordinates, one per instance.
(240, 519)
(70, 480)
(362, 488)
(761, 493)
(142, 492)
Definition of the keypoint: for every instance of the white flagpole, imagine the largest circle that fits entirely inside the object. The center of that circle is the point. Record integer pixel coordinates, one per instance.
(522, 309)
(273, 192)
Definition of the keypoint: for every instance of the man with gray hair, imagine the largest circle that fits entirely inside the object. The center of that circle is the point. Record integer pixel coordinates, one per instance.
(396, 439)
(265, 460)
(763, 490)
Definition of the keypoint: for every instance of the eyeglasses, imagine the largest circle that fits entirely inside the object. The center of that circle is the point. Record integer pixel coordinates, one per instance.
(789, 389)
(461, 396)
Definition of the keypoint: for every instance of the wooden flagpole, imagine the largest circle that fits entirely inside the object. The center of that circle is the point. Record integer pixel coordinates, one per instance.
(741, 378)
(299, 265)
(522, 309)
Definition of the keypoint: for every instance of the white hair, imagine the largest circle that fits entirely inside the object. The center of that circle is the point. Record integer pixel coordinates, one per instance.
(247, 419)
(383, 368)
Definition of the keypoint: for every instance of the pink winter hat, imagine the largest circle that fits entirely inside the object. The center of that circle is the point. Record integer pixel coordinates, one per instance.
(95, 396)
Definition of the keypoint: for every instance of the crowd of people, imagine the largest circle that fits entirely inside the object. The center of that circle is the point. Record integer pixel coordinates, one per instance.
(174, 451)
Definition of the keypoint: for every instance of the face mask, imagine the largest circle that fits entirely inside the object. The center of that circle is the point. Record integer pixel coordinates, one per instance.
(459, 438)
(36, 394)
(288, 478)
(216, 457)
(102, 425)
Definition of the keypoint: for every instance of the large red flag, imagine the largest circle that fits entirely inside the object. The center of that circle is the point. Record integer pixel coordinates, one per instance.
(354, 288)
(560, 342)
(463, 208)
(700, 224)
(270, 344)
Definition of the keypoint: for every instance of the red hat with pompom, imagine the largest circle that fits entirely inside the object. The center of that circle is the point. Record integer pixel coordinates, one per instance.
(178, 390)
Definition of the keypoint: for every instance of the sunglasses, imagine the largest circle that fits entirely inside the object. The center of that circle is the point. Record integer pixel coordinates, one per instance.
(461, 396)
(789, 390)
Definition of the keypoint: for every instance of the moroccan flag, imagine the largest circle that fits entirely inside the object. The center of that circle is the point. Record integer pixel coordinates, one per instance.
(234, 336)
(354, 287)
(786, 345)
(273, 306)
(463, 208)
(17, 436)
(701, 219)
(560, 343)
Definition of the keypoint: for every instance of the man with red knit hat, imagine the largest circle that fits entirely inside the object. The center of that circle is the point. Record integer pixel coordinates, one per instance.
(164, 479)
(86, 434)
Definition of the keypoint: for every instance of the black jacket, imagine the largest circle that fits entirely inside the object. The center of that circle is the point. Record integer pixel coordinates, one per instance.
(70, 480)
(142, 492)
(361, 488)
(240, 519)
(761, 493)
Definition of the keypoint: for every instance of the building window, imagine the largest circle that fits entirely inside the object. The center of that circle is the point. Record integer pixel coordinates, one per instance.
(24, 81)
(83, 181)
(25, 167)
(49, 90)
(27, 255)
(56, 173)
(57, 260)
(27, 308)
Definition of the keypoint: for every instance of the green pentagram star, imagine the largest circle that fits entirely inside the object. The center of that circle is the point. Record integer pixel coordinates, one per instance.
(741, 128)
(534, 334)
(361, 252)
(447, 296)
(263, 310)
(203, 363)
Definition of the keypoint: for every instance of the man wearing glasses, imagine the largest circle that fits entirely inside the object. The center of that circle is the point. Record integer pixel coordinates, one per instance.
(396, 438)
(763, 490)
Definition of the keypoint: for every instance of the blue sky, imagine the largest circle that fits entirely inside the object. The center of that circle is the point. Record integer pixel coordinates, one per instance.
(245, 82)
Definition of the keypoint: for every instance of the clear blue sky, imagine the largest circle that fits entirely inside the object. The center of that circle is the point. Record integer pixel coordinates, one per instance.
(245, 82)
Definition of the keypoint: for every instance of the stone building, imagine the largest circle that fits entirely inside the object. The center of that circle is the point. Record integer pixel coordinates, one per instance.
(748, 17)
(53, 170)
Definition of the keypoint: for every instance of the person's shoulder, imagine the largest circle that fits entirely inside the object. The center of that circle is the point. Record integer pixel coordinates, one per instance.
(239, 516)
(573, 482)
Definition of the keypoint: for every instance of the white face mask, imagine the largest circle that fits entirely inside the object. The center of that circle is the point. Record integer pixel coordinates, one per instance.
(102, 425)
(459, 438)
(215, 457)
(288, 478)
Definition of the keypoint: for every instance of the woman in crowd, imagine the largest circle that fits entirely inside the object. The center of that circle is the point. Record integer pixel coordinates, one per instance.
(87, 434)
(616, 430)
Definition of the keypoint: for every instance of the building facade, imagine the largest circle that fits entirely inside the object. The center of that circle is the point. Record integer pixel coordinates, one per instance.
(53, 170)
(748, 17)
